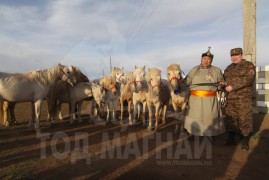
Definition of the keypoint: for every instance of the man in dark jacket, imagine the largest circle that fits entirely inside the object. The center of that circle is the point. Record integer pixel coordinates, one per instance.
(239, 77)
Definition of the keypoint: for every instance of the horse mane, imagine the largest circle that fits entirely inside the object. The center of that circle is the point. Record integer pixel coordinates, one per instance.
(129, 77)
(154, 72)
(114, 71)
(173, 67)
(44, 76)
(80, 77)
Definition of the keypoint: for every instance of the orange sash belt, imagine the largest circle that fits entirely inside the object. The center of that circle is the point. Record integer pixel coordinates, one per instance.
(203, 93)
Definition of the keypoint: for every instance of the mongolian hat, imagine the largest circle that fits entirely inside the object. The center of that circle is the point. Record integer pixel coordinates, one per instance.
(236, 51)
(208, 54)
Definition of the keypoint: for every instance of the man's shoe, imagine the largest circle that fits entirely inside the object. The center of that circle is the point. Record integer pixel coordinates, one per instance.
(245, 145)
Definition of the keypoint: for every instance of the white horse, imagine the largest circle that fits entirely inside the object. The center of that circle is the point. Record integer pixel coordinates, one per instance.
(73, 95)
(153, 95)
(126, 94)
(110, 86)
(139, 95)
(34, 86)
(179, 94)
(99, 95)
(8, 107)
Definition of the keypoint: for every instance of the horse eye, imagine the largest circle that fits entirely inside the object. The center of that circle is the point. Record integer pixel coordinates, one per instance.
(168, 74)
(117, 73)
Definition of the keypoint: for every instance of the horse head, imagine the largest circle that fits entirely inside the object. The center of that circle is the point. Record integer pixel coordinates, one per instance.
(80, 77)
(67, 74)
(139, 75)
(154, 80)
(118, 74)
(174, 75)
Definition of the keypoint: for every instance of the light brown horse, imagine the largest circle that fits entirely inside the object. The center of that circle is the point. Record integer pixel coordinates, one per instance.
(126, 94)
(179, 94)
(153, 95)
(34, 86)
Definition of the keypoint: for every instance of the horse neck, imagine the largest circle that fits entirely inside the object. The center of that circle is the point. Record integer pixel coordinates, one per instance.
(48, 76)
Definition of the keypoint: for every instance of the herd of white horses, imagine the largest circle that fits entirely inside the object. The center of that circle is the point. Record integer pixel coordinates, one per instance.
(67, 84)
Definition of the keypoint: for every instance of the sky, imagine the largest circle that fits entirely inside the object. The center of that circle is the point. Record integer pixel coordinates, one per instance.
(38, 34)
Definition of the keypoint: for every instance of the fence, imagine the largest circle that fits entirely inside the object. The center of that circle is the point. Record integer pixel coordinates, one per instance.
(262, 89)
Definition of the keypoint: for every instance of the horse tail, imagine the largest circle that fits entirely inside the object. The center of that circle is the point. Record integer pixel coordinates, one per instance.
(52, 100)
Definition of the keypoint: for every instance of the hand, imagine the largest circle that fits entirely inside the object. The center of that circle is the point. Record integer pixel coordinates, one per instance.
(221, 83)
(229, 88)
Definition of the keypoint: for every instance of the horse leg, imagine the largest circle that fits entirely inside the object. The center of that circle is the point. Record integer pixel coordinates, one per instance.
(72, 111)
(164, 114)
(135, 112)
(113, 103)
(79, 105)
(177, 118)
(150, 117)
(33, 110)
(130, 111)
(157, 107)
(138, 111)
(182, 115)
(144, 113)
(121, 109)
(38, 105)
(59, 112)
(12, 113)
(108, 110)
(5, 113)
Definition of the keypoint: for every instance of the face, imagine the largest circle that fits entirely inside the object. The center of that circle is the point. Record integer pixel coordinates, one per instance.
(236, 59)
(119, 75)
(139, 77)
(174, 77)
(206, 61)
(155, 82)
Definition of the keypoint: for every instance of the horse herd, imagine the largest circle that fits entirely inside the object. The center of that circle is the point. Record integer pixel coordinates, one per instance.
(67, 84)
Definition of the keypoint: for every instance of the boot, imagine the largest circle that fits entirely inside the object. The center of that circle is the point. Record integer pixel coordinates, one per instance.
(231, 139)
(245, 141)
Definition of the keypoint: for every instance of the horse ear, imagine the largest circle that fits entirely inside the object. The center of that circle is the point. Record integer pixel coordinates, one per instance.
(121, 68)
(168, 65)
(114, 68)
(149, 69)
(144, 67)
(74, 68)
(135, 67)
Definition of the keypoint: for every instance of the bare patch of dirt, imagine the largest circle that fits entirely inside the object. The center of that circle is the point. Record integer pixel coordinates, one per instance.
(125, 152)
